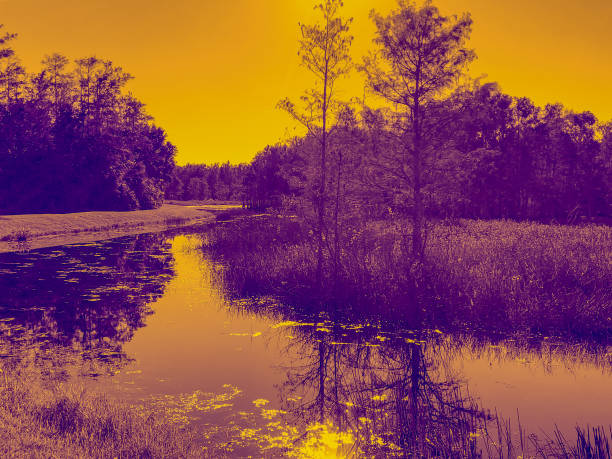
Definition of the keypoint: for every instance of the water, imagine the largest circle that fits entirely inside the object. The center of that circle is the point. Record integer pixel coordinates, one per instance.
(145, 320)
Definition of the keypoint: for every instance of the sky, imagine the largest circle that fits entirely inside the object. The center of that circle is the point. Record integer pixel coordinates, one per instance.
(212, 71)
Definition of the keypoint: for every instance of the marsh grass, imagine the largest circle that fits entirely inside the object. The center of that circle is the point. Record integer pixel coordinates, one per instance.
(501, 442)
(46, 410)
(40, 419)
(543, 278)
(493, 275)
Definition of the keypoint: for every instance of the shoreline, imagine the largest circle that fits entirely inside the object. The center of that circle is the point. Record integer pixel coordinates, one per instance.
(36, 231)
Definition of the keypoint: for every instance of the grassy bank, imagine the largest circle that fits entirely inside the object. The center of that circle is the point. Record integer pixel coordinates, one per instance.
(204, 202)
(45, 230)
(498, 275)
(60, 421)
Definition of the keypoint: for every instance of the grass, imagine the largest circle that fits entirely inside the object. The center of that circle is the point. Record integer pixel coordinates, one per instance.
(501, 442)
(20, 236)
(40, 230)
(223, 210)
(492, 275)
(46, 412)
(202, 202)
(531, 276)
(42, 415)
(63, 421)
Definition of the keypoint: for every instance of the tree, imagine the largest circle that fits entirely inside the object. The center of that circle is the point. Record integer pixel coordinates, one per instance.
(604, 163)
(54, 68)
(324, 49)
(100, 84)
(420, 54)
(12, 79)
(264, 183)
(5, 51)
(75, 136)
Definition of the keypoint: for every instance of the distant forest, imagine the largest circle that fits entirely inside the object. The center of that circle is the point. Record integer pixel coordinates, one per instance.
(71, 139)
(500, 157)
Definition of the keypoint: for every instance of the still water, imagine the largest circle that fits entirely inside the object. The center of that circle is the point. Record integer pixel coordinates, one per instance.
(145, 320)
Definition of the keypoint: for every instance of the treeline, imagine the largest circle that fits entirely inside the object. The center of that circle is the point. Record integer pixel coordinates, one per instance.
(509, 158)
(498, 157)
(268, 180)
(72, 139)
(203, 182)
(436, 148)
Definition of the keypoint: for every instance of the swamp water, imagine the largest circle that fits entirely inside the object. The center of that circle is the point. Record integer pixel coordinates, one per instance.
(145, 320)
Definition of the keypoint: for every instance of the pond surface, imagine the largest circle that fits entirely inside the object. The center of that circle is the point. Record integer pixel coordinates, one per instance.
(145, 319)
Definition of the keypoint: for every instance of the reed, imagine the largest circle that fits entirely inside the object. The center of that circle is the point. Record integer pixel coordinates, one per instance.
(502, 275)
(39, 419)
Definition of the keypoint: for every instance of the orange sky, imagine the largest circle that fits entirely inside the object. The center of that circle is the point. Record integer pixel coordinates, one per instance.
(211, 71)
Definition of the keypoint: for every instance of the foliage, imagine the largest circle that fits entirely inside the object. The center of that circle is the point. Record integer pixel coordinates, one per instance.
(73, 140)
(201, 182)
(420, 55)
(513, 159)
(501, 157)
(324, 49)
(501, 276)
(472, 152)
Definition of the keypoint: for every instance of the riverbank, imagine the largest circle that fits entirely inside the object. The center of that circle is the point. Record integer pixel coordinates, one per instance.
(33, 231)
(61, 421)
(498, 276)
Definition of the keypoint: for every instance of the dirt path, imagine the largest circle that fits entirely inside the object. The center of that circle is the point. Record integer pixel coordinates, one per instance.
(33, 231)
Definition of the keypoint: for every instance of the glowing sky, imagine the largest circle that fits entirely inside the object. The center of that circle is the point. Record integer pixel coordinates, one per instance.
(211, 71)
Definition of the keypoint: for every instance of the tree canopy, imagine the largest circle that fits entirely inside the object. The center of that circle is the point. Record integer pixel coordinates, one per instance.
(73, 139)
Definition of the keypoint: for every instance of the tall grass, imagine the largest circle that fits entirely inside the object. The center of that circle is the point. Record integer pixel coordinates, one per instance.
(501, 275)
(542, 278)
(501, 442)
(61, 421)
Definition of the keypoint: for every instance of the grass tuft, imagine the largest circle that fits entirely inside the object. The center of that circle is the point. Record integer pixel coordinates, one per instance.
(20, 236)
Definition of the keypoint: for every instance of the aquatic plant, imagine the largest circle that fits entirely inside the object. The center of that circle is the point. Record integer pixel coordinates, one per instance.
(499, 275)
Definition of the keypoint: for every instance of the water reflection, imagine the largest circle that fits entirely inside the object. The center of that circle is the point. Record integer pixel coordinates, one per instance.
(395, 394)
(399, 392)
(88, 298)
(257, 378)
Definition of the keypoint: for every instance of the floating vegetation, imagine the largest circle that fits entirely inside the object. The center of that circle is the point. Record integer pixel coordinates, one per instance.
(291, 323)
(252, 335)
(277, 438)
(182, 409)
(260, 402)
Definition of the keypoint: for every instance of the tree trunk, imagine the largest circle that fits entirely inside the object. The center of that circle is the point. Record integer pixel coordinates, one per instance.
(323, 178)
(417, 214)
(336, 224)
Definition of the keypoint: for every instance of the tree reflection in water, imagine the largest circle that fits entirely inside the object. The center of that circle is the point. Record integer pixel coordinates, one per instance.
(393, 391)
(85, 300)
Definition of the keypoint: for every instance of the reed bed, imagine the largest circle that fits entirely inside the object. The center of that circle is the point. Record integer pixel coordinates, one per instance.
(547, 279)
(493, 275)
